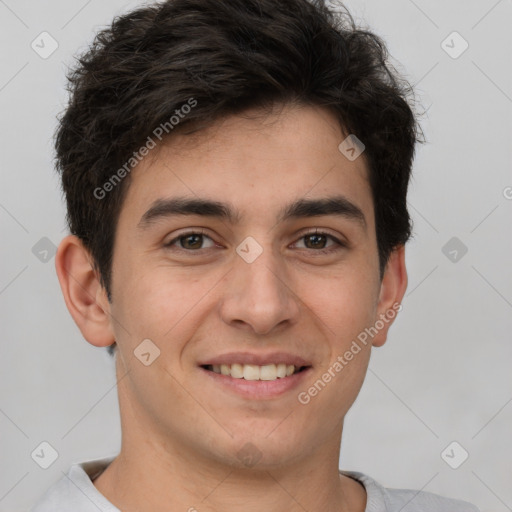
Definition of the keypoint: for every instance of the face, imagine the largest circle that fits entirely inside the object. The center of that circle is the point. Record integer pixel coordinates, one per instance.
(275, 282)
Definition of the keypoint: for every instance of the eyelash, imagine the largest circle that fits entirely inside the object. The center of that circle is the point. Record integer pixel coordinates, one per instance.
(340, 244)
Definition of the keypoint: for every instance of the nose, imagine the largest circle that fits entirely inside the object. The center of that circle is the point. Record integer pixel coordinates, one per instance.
(258, 296)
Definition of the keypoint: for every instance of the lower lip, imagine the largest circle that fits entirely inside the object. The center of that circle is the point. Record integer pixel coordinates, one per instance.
(259, 389)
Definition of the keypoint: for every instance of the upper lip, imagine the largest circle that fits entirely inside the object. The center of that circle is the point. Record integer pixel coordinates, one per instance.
(257, 359)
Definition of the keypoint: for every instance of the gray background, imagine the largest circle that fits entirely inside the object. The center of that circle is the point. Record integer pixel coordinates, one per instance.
(444, 374)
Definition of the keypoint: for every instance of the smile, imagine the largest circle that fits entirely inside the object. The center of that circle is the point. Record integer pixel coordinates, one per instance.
(255, 372)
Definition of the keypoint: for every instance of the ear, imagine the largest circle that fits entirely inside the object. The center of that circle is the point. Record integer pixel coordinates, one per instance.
(85, 298)
(392, 290)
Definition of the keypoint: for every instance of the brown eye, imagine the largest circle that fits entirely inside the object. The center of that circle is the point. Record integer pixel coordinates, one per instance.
(191, 241)
(316, 241)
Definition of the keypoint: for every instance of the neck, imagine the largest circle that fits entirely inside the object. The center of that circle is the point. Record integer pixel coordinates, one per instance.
(143, 482)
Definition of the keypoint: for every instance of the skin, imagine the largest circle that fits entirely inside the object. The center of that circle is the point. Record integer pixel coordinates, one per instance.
(181, 433)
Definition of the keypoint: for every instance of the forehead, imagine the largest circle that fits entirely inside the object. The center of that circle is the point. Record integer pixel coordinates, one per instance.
(254, 163)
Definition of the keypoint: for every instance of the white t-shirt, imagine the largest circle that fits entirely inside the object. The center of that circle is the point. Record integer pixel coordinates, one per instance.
(75, 492)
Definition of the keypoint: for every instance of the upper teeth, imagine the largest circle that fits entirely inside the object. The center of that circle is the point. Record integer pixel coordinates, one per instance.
(255, 372)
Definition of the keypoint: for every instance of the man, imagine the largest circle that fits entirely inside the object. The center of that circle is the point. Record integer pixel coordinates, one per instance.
(236, 177)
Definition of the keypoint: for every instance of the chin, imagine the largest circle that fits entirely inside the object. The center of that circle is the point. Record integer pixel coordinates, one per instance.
(264, 453)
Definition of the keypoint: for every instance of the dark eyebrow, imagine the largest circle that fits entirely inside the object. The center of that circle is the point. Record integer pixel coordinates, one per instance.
(301, 208)
(334, 205)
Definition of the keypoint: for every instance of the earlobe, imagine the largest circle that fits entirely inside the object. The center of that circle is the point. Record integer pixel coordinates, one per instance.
(392, 291)
(84, 296)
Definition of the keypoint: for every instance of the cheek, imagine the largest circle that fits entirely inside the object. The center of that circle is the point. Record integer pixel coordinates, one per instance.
(345, 300)
(163, 303)
(356, 312)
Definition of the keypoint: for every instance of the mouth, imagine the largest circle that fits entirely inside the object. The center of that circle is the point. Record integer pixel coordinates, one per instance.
(253, 372)
(256, 381)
